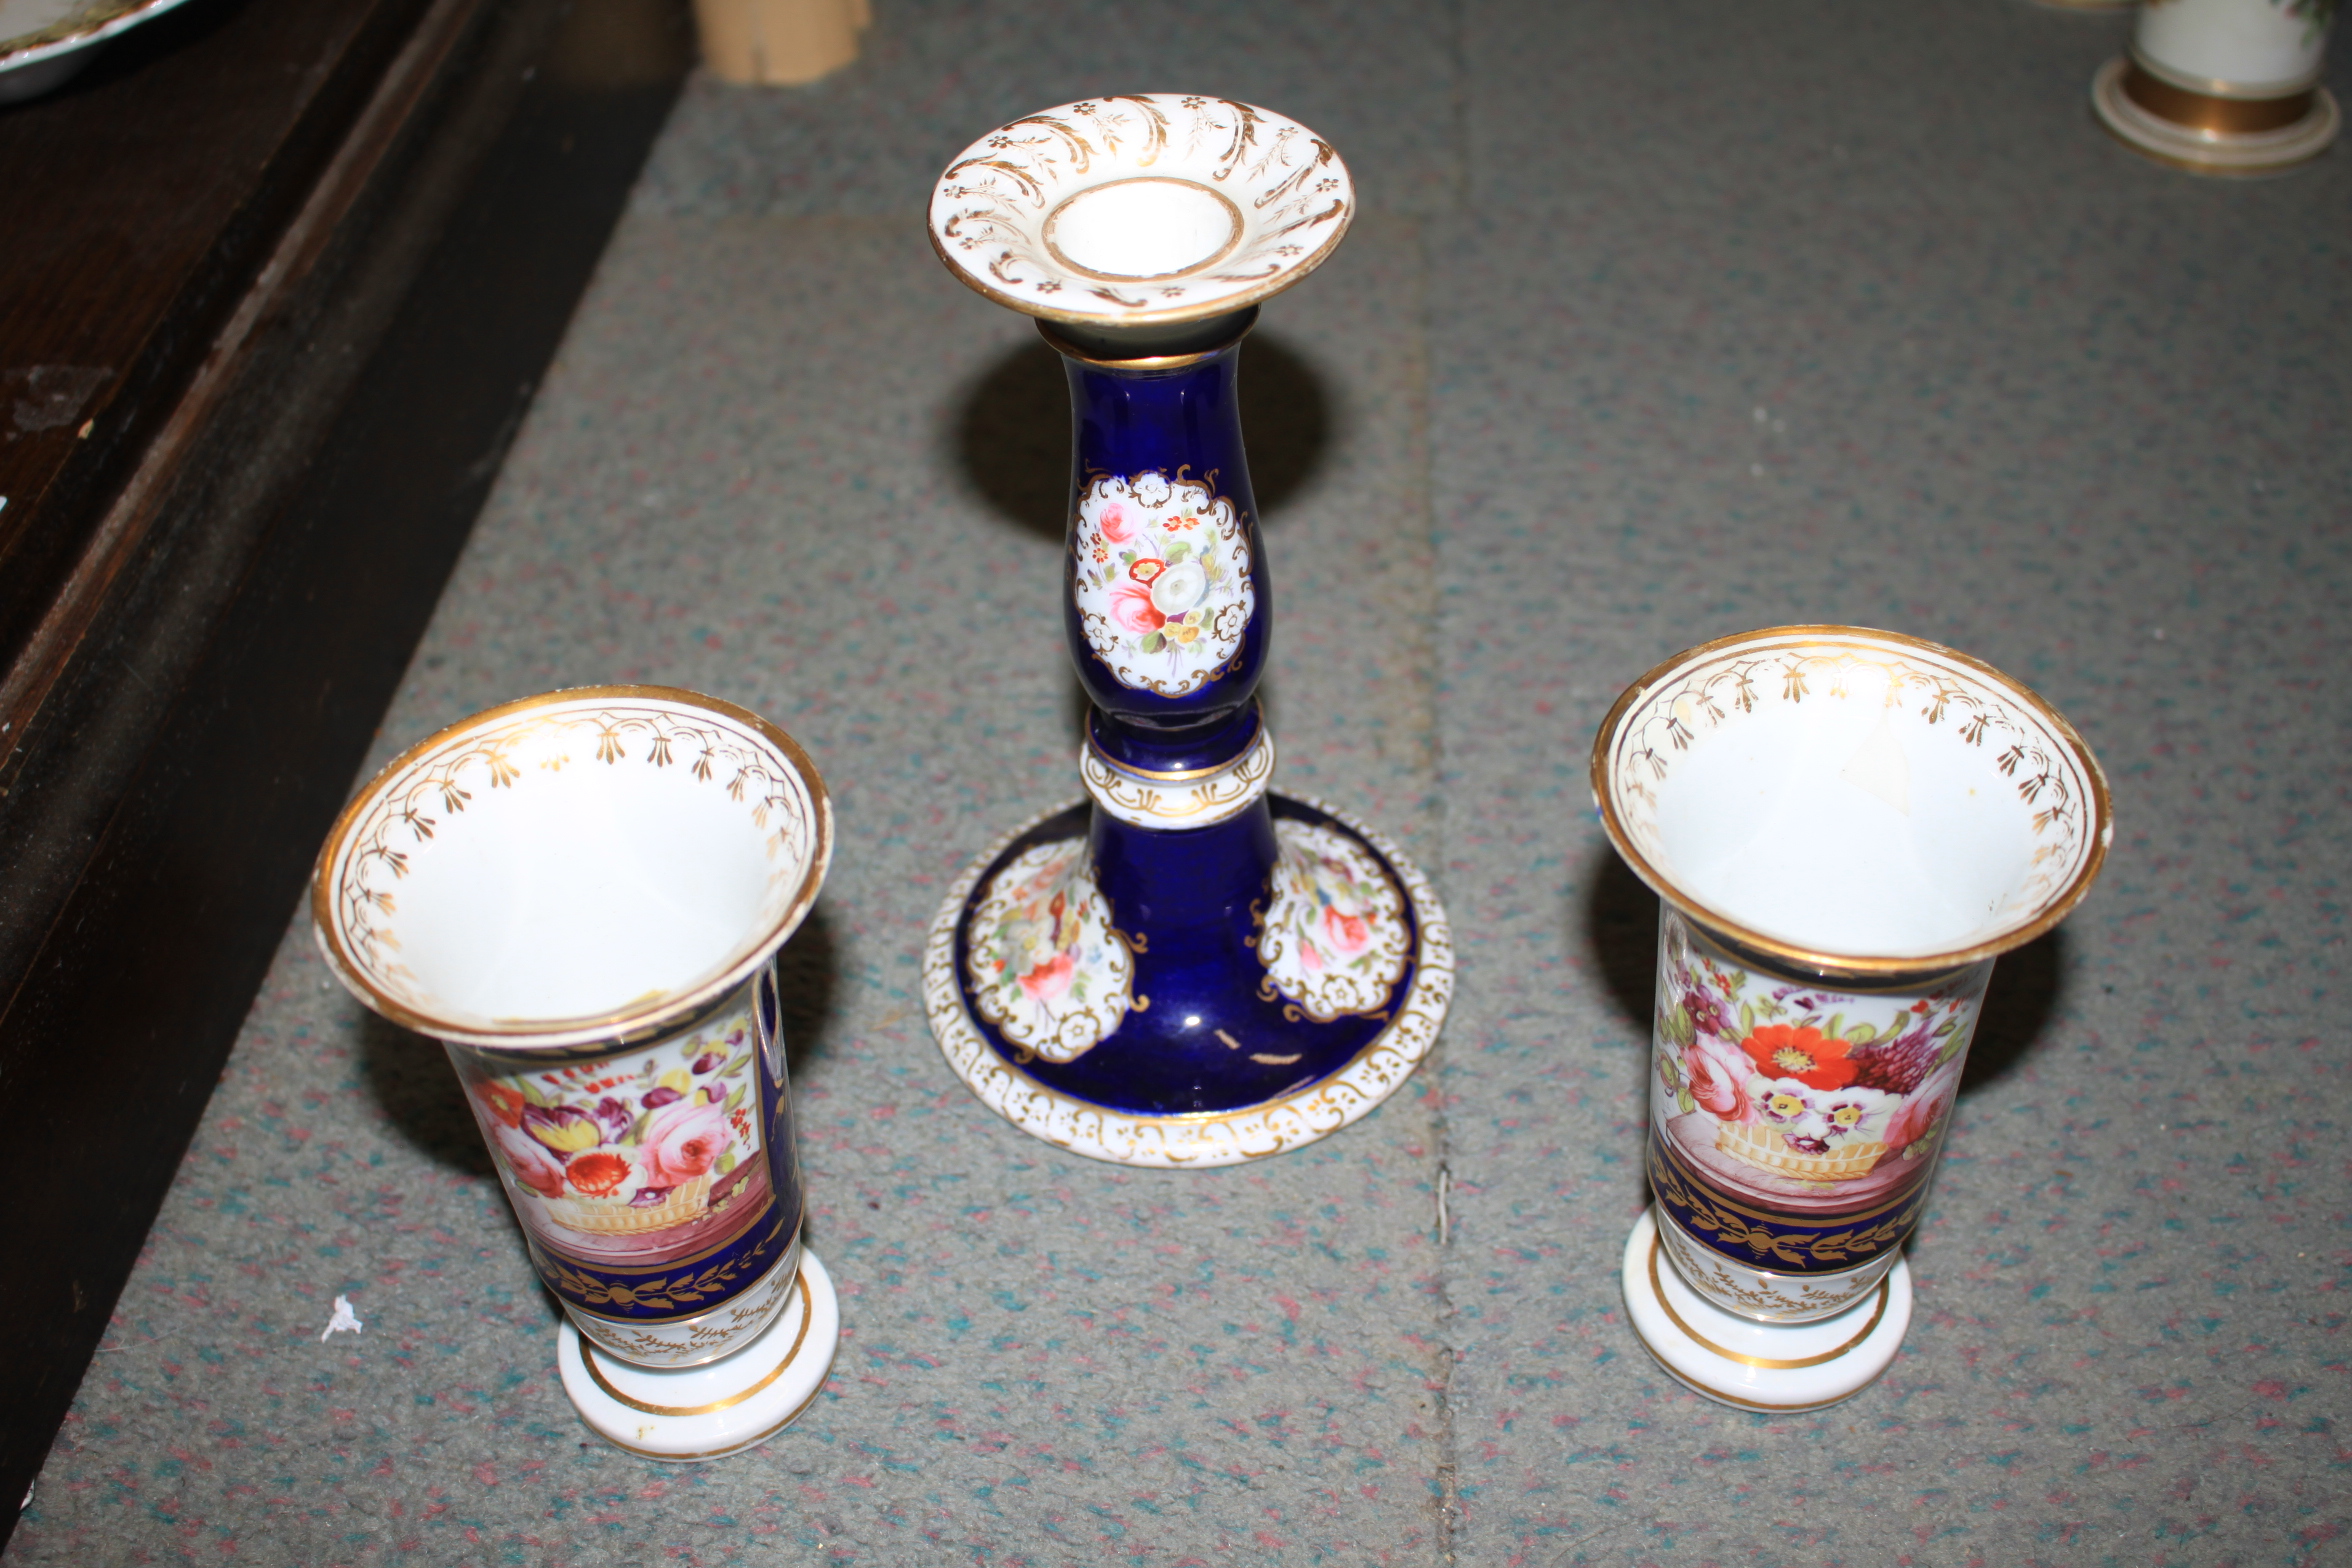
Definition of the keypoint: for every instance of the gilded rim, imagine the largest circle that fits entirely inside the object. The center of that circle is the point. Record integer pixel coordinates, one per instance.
(736, 1447)
(1145, 362)
(1817, 961)
(1176, 775)
(2249, 156)
(808, 1315)
(1761, 1406)
(1167, 315)
(1032, 1106)
(1770, 1363)
(625, 1025)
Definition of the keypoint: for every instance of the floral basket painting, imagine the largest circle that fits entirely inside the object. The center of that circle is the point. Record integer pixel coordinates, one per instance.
(1804, 1084)
(630, 1144)
(621, 1217)
(1771, 1149)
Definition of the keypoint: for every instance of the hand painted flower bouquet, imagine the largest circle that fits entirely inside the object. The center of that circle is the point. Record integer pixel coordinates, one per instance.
(1806, 1083)
(613, 1151)
(1046, 968)
(1334, 938)
(1161, 580)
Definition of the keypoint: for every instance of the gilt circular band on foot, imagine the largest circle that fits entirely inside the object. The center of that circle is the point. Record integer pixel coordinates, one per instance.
(722, 1407)
(1774, 1367)
(2209, 133)
(1109, 1098)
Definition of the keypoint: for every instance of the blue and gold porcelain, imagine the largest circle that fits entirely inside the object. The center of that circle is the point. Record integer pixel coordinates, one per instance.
(1845, 828)
(582, 895)
(1184, 968)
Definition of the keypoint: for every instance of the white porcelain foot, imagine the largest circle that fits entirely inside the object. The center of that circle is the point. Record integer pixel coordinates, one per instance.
(1760, 1366)
(721, 1408)
(2245, 155)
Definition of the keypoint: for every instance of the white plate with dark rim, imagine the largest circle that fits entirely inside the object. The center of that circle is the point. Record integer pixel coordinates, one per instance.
(44, 42)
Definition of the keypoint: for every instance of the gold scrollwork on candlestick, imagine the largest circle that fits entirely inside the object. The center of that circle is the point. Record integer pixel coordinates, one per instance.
(1195, 803)
(1311, 1110)
(1047, 969)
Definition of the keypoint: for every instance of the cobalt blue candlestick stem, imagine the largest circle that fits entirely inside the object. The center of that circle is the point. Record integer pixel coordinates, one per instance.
(1184, 968)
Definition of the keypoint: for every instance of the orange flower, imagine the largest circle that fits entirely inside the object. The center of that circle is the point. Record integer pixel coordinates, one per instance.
(598, 1173)
(1800, 1052)
(504, 1103)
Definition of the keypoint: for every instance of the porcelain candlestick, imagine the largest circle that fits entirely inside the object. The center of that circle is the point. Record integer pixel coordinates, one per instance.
(1185, 968)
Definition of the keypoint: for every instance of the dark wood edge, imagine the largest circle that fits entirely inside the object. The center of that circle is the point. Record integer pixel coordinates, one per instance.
(314, 515)
(46, 527)
(81, 601)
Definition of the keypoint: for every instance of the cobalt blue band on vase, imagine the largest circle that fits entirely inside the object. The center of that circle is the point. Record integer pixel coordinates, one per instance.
(1829, 1242)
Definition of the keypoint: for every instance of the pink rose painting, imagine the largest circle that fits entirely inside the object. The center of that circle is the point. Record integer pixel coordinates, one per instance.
(1347, 935)
(1718, 1081)
(1050, 979)
(1160, 577)
(683, 1141)
(1132, 608)
(1922, 1110)
(532, 1165)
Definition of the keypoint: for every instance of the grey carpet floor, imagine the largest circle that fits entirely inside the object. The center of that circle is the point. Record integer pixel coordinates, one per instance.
(1663, 320)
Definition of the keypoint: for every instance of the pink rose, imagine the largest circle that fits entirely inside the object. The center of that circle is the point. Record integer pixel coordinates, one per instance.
(1312, 959)
(1115, 525)
(682, 1141)
(1921, 1111)
(1347, 934)
(1051, 978)
(531, 1164)
(1717, 1082)
(1131, 607)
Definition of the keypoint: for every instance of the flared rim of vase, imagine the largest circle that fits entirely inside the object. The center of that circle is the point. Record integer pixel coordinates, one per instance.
(651, 1016)
(1610, 791)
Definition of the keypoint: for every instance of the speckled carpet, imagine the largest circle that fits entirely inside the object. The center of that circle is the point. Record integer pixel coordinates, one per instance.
(1663, 320)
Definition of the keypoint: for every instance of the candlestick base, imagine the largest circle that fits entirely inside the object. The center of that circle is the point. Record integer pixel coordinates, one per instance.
(1760, 1366)
(1177, 1044)
(2200, 142)
(722, 1407)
